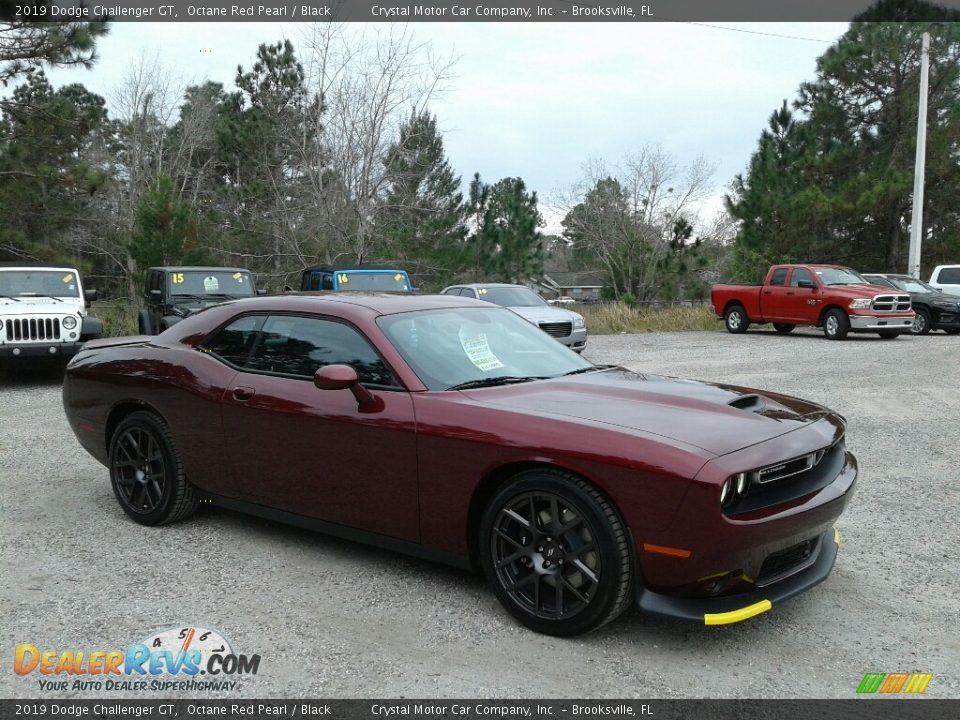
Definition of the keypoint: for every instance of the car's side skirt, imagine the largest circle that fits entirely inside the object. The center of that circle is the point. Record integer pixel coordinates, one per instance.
(341, 531)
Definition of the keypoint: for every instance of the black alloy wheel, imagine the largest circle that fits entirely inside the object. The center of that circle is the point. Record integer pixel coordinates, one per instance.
(146, 473)
(557, 553)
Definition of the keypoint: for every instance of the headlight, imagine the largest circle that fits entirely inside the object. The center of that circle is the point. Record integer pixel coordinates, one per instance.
(733, 489)
(69, 322)
(578, 321)
(945, 305)
(726, 492)
(860, 303)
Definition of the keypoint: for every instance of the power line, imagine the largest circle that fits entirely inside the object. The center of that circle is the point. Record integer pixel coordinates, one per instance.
(760, 32)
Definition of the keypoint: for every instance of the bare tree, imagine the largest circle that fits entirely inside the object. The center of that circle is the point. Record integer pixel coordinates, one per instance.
(370, 82)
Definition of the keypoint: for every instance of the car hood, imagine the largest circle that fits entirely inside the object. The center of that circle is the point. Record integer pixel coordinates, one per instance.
(40, 306)
(544, 313)
(932, 297)
(716, 418)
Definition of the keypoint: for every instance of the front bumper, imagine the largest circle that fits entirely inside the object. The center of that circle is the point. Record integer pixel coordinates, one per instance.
(40, 349)
(879, 323)
(577, 340)
(736, 608)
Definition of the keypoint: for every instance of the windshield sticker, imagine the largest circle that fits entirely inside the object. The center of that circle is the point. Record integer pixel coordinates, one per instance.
(343, 278)
(210, 284)
(238, 277)
(398, 277)
(177, 278)
(478, 350)
(68, 278)
(482, 291)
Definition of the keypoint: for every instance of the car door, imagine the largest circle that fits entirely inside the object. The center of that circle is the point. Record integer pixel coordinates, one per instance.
(773, 300)
(801, 304)
(313, 452)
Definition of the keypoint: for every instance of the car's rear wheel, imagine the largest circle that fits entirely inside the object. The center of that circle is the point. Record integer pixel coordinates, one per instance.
(146, 473)
(556, 553)
(735, 318)
(836, 325)
(921, 322)
(783, 328)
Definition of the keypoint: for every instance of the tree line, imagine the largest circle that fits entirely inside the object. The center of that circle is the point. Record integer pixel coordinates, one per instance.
(329, 152)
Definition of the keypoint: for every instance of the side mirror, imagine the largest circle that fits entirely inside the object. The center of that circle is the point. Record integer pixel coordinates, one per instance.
(344, 377)
(286, 288)
(89, 295)
(807, 284)
(155, 295)
(261, 291)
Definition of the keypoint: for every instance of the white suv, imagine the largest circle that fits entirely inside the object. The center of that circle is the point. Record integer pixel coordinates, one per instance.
(43, 311)
(946, 278)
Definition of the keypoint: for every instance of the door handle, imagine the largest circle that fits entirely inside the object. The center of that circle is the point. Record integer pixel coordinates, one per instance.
(243, 393)
(790, 292)
(768, 292)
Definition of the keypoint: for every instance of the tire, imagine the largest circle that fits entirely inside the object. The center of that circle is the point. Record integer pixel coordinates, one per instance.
(736, 320)
(146, 473)
(921, 321)
(783, 328)
(581, 575)
(145, 323)
(889, 335)
(836, 325)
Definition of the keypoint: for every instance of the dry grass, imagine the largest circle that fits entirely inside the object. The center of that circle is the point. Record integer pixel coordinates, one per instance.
(615, 318)
(119, 317)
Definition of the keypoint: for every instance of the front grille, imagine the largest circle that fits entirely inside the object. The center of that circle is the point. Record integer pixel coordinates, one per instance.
(556, 329)
(788, 562)
(33, 329)
(891, 303)
(790, 468)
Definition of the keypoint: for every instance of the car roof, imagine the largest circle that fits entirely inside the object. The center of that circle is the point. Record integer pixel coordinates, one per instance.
(379, 303)
(338, 268)
(490, 285)
(34, 266)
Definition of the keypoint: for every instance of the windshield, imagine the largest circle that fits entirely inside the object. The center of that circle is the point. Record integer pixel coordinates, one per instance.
(39, 283)
(911, 285)
(211, 282)
(449, 347)
(391, 280)
(839, 276)
(510, 296)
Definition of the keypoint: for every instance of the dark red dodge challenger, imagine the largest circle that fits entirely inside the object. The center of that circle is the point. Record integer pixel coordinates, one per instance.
(455, 430)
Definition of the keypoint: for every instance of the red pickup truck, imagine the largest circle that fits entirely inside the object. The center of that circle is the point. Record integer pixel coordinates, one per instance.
(832, 297)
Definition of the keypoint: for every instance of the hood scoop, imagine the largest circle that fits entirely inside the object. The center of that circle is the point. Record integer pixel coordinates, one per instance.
(749, 403)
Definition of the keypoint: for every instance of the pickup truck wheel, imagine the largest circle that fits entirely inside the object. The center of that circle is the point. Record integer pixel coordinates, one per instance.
(736, 319)
(921, 322)
(783, 328)
(836, 325)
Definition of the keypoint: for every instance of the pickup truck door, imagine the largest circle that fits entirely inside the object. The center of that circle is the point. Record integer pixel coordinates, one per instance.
(773, 295)
(802, 304)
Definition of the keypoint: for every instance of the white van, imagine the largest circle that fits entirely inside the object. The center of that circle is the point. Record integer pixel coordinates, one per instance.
(946, 278)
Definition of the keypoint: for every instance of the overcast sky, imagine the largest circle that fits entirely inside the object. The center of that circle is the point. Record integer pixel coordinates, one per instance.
(538, 100)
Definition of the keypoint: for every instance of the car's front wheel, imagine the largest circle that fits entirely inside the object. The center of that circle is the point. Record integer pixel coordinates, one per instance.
(146, 473)
(836, 325)
(921, 322)
(556, 553)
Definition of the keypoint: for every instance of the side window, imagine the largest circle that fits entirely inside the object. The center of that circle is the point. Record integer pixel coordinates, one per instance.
(779, 277)
(296, 345)
(234, 342)
(800, 275)
(452, 291)
(469, 292)
(327, 282)
(949, 276)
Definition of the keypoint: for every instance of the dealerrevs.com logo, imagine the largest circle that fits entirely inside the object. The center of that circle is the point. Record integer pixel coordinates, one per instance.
(187, 658)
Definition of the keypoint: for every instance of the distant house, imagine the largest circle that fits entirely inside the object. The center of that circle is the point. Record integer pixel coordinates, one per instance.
(581, 286)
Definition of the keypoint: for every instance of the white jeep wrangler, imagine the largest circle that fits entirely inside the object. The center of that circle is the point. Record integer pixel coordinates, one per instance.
(43, 311)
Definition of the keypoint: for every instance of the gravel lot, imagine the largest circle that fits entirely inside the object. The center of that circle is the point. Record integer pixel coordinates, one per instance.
(334, 619)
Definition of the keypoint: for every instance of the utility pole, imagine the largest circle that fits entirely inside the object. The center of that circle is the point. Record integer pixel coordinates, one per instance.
(916, 223)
